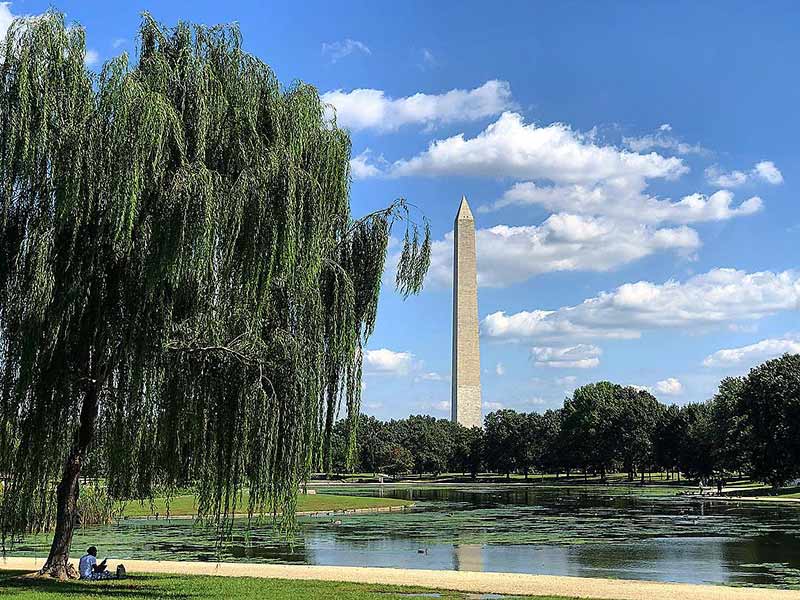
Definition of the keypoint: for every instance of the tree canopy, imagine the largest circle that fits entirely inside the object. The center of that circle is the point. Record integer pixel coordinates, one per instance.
(182, 285)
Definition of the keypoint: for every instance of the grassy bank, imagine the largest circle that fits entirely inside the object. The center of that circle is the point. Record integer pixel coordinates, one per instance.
(180, 506)
(141, 587)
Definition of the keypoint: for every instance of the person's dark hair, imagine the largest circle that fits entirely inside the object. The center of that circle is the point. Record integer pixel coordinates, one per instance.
(92, 550)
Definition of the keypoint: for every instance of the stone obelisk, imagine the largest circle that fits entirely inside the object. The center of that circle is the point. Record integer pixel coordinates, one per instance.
(466, 394)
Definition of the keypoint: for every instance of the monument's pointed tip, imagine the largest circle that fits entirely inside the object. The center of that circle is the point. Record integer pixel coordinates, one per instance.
(464, 211)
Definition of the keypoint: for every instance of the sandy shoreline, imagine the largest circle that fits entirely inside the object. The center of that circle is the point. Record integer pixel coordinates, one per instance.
(463, 581)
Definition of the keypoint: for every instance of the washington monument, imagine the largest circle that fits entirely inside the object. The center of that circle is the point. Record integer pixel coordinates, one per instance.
(466, 396)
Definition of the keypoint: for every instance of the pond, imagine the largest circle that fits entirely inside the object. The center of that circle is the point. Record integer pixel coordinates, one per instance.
(590, 532)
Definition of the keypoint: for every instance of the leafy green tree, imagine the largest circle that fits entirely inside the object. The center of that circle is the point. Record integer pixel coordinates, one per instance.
(697, 447)
(770, 400)
(555, 451)
(180, 275)
(399, 461)
(429, 442)
(502, 441)
(589, 422)
(531, 442)
(636, 415)
(374, 443)
(669, 435)
(729, 427)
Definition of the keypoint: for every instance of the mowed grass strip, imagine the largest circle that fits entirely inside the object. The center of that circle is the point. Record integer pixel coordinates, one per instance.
(138, 587)
(181, 506)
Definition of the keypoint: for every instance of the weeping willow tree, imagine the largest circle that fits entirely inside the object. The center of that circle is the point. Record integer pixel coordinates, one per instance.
(182, 285)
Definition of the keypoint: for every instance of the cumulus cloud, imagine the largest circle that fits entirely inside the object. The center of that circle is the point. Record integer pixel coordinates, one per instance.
(363, 166)
(767, 171)
(362, 109)
(566, 171)
(764, 171)
(618, 200)
(754, 353)
(493, 406)
(670, 386)
(499, 369)
(718, 297)
(582, 356)
(564, 242)
(386, 361)
(511, 148)
(339, 50)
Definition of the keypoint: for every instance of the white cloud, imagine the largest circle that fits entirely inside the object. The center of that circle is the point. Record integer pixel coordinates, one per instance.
(499, 369)
(119, 42)
(718, 297)
(372, 109)
(91, 58)
(493, 406)
(617, 200)
(428, 59)
(535, 401)
(442, 406)
(764, 170)
(767, 171)
(338, 50)
(662, 139)
(754, 353)
(362, 167)
(567, 381)
(6, 17)
(510, 148)
(582, 356)
(563, 242)
(715, 176)
(388, 362)
(580, 176)
(670, 386)
(431, 376)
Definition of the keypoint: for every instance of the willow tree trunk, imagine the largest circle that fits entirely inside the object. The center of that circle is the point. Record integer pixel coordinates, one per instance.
(58, 564)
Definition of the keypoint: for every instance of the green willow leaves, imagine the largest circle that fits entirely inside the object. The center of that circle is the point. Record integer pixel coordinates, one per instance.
(176, 237)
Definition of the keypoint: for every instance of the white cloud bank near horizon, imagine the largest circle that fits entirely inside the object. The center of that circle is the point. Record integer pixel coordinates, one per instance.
(718, 297)
(670, 386)
(752, 354)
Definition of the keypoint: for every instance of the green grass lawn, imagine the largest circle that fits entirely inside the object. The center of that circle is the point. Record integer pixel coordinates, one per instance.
(187, 505)
(140, 587)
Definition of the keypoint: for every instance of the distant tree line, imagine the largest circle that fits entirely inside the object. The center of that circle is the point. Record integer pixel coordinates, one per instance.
(750, 427)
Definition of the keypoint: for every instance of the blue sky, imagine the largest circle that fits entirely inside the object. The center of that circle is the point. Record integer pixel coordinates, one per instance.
(631, 167)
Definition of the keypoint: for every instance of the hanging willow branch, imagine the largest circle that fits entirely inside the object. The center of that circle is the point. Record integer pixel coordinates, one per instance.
(182, 287)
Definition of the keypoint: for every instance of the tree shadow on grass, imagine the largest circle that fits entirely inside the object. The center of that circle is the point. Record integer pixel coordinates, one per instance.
(132, 588)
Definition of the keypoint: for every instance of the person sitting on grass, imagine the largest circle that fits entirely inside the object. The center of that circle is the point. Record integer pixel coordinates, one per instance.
(89, 569)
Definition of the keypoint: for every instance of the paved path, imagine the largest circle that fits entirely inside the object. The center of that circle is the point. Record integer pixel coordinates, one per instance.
(464, 581)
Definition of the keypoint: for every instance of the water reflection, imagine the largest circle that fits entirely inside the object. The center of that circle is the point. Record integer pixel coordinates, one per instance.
(582, 532)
